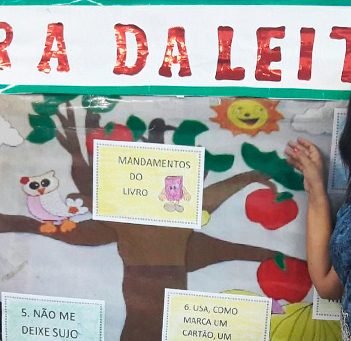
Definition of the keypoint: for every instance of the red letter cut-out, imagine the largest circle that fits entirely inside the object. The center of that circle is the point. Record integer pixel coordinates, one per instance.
(344, 33)
(55, 31)
(306, 49)
(140, 36)
(4, 57)
(224, 71)
(266, 55)
(176, 35)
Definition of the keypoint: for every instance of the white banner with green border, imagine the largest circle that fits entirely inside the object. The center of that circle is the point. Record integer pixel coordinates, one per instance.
(277, 49)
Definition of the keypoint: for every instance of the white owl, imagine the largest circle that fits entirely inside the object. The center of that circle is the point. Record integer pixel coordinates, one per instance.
(45, 204)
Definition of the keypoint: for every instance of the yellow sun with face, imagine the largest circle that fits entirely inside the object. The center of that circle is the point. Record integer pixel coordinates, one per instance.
(248, 116)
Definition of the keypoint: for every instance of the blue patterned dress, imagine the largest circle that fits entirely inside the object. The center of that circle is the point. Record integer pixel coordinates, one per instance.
(340, 251)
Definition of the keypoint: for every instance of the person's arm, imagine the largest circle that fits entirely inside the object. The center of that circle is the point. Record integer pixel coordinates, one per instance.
(319, 228)
(306, 157)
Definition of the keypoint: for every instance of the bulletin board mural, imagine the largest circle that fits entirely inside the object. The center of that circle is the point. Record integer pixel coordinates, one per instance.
(252, 238)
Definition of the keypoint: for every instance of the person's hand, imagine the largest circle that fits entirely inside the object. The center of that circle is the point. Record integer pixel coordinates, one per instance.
(306, 157)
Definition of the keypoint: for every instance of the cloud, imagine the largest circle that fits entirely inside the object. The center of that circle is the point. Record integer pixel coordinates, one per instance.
(8, 135)
(290, 108)
(317, 121)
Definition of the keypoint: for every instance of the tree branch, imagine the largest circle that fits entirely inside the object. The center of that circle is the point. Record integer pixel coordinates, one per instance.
(62, 140)
(157, 129)
(92, 121)
(70, 128)
(63, 120)
(82, 175)
(81, 171)
(214, 195)
(203, 250)
(89, 233)
(70, 115)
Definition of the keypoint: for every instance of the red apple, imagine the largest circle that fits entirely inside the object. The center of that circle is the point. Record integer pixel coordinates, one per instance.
(284, 278)
(272, 210)
(112, 131)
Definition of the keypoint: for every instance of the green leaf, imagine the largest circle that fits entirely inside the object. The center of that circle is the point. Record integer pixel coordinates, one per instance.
(100, 104)
(282, 196)
(109, 127)
(218, 163)
(50, 104)
(44, 129)
(43, 108)
(57, 99)
(186, 133)
(37, 121)
(137, 126)
(279, 259)
(41, 135)
(269, 163)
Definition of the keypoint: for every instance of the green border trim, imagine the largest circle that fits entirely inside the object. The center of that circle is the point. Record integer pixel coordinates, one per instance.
(181, 91)
(173, 2)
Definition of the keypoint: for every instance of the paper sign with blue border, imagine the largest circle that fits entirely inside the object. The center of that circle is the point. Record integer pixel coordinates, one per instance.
(192, 315)
(152, 184)
(44, 318)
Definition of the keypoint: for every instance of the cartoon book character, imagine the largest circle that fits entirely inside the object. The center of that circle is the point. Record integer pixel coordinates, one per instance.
(174, 191)
(45, 204)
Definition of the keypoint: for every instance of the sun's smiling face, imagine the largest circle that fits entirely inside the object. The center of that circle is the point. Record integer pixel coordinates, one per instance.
(247, 116)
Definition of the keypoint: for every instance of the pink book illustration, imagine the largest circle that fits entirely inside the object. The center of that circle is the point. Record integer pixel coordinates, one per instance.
(173, 192)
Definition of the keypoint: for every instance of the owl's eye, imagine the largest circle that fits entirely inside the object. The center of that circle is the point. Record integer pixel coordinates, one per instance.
(45, 182)
(34, 185)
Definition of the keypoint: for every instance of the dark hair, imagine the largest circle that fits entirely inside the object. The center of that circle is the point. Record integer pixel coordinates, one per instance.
(345, 144)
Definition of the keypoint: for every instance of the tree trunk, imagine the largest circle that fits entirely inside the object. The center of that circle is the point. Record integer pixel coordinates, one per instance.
(143, 289)
(82, 175)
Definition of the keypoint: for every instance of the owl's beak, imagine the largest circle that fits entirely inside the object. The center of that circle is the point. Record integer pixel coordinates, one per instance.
(41, 191)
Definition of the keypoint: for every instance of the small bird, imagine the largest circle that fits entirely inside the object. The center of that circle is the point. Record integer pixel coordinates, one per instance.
(46, 205)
